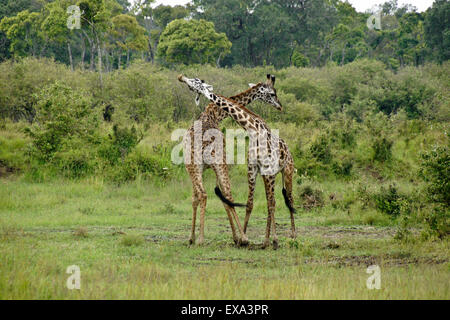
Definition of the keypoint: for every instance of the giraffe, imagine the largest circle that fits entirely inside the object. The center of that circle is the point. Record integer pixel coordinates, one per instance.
(210, 119)
(267, 166)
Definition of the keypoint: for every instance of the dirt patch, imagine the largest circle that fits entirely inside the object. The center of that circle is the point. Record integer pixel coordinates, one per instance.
(382, 260)
(329, 232)
(229, 259)
(347, 232)
(374, 173)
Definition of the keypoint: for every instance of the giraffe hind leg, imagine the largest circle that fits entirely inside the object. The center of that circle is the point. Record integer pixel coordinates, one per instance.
(198, 198)
(287, 194)
(269, 185)
(224, 188)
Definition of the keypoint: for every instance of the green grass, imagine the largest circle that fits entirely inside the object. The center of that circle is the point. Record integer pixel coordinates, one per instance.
(131, 242)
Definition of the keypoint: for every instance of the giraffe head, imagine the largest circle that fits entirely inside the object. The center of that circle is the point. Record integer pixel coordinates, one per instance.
(266, 92)
(196, 85)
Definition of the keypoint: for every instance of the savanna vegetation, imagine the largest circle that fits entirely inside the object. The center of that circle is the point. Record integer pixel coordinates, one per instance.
(86, 176)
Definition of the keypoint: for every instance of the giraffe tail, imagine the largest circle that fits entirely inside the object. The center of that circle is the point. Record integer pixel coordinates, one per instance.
(225, 200)
(287, 201)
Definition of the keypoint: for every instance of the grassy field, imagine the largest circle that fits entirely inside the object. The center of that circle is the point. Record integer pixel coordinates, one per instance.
(131, 242)
(371, 148)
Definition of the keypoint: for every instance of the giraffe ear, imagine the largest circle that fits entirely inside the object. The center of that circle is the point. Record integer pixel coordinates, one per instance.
(251, 85)
(273, 80)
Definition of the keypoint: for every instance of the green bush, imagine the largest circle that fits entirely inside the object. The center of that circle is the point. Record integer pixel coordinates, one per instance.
(299, 60)
(435, 169)
(382, 149)
(320, 149)
(311, 198)
(62, 114)
(156, 163)
(403, 93)
(437, 223)
(343, 168)
(390, 202)
(22, 80)
(75, 162)
(120, 143)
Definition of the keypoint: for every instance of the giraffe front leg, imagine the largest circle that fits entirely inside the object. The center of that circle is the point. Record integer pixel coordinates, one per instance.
(269, 185)
(251, 175)
(203, 199)
(195, 203)
(195, 173)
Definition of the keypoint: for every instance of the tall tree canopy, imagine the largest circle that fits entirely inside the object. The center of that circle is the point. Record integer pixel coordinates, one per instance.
(437, 29)
(264, 32)
(193, 41)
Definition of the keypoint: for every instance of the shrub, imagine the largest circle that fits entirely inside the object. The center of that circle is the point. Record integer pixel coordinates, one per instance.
(407, 93)
(62, 114)
(437, 223)
(343, 168)
(148, 164)
(311, 197)
(390, 202)
(75, 162)
(22, 80)
(435, 169)
(382, 149)
(299, 60)
(321, 150)
(121, 142)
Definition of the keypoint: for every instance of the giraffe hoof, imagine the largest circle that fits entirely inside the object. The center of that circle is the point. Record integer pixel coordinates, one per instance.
(265, 244)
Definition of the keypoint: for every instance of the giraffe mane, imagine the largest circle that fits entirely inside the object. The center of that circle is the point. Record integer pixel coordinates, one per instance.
(242, 107)
(246, 92)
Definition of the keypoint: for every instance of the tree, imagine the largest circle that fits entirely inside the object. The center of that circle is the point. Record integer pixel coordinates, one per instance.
(24, 34)
(96, 16)
(411, 40)
(128, 35)
(163, 15)
(155, 20)
(10, 8)
(269, 31)
(55, 25)
(193, 41)
(437, 29)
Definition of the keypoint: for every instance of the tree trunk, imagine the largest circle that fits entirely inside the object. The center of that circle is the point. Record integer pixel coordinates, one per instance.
(83, 52)
(119, 60)
(92, 48)
(128, 57)
(99, 52)
(69, 50)
(150, 49)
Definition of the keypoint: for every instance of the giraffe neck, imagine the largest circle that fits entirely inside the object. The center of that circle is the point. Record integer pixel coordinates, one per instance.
(244, 98)
(239, 113)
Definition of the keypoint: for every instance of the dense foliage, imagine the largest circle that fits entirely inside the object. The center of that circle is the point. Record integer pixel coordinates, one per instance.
(382, 135)
(279, 33)
(366, 112)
